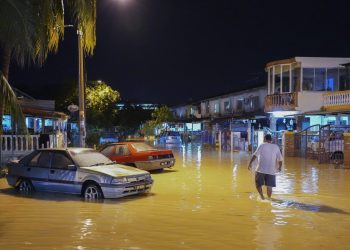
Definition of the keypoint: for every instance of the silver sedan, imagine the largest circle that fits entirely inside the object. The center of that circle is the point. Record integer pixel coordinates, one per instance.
(77, 171)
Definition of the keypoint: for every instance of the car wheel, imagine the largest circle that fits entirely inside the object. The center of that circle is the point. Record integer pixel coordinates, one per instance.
(92, 192)
(25, 185)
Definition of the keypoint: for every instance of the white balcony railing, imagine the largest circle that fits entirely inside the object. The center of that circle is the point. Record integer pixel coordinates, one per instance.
(336, 100)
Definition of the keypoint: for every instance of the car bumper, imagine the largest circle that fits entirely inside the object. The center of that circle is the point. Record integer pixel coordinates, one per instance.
(156, 164)
(119, 191)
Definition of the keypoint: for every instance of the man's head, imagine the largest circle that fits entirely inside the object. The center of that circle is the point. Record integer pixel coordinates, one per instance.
(268, 138)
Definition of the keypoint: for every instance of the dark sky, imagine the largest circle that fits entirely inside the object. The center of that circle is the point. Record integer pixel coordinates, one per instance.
(172, 51)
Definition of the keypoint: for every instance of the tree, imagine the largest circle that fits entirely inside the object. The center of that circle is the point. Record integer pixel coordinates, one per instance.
(29, 30)
(161, 115)
(100, 104)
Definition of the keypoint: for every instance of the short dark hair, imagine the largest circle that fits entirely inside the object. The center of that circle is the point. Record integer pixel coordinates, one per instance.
(268, 137)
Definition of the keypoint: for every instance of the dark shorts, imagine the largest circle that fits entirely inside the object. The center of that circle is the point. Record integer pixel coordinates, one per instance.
(265, 179)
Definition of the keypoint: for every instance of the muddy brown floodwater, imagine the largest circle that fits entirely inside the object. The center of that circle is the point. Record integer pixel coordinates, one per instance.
(207, 201)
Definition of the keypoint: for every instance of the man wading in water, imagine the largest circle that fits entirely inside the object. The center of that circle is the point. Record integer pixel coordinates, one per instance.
(268, 155)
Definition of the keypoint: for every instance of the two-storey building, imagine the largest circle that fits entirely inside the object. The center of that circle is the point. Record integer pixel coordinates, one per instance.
(304, 91)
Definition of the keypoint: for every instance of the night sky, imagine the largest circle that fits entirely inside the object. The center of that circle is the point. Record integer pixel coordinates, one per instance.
(175, 51)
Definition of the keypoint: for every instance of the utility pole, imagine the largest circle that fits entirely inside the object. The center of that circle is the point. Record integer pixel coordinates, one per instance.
(82, 127)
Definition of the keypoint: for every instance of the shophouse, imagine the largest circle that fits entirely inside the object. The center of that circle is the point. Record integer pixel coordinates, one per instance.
(234, 112)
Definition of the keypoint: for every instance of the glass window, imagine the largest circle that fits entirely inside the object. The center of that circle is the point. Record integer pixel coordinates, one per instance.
(227, 106)
(239, 105)
(271, 80)
(295, 78)
(30, 122)
(121, 150)
(216, 108)
(277, 77)
(108, 151)
(285, 78)
(42, 159)
(254, 103)
(6, 123)
(139, 147)
(332, 80)
(61, 161)
(308, 78)
(207, 107)
(344, 79)
(320, 79)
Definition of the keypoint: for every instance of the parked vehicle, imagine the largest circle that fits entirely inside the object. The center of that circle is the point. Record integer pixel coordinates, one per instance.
(170, 137)
(139, 155)
(76, 171)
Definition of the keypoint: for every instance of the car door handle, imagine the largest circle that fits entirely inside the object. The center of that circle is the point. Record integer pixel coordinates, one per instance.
(52, 171)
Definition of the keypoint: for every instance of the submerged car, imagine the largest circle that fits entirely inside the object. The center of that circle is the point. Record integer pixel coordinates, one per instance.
(76, 171)
(170, 137)
(139, 155)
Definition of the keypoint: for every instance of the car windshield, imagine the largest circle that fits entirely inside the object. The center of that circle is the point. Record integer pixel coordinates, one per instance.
(139, 147)
(90, 158)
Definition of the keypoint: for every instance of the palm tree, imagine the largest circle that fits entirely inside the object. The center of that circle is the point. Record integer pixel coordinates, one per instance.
(31, 29)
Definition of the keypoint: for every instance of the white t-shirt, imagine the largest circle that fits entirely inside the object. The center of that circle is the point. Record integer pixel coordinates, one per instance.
(268, 155)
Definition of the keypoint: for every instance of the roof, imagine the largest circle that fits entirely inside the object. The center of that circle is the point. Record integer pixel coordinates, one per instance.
(44, 113)
(317, 62)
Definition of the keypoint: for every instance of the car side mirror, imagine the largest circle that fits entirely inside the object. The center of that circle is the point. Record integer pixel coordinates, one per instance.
(71, 167)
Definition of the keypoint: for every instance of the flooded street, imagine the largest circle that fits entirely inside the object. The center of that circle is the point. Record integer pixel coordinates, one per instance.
(207, 201)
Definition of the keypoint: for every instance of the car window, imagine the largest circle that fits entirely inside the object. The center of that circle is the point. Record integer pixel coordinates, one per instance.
(61, 161)
(121, 150)
(41, 160)
(139, 147)
(108, 151)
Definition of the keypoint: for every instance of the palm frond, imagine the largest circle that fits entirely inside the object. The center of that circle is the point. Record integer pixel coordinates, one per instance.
(84, 14)
(11, 106)
(17, 29)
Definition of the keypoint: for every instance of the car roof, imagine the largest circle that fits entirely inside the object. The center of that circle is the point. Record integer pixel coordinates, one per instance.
(73, 150)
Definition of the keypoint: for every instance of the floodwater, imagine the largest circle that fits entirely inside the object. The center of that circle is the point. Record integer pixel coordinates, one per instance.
(207, 201)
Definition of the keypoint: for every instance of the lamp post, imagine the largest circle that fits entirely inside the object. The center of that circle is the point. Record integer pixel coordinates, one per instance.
(82, 127)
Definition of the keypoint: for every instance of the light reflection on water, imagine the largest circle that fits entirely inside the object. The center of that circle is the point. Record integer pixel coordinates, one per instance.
(206, 201)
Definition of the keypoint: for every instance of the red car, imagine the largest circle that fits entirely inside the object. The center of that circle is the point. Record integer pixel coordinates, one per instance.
(139, 155)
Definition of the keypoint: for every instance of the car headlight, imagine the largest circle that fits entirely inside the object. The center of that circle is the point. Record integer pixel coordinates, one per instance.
(122, 180)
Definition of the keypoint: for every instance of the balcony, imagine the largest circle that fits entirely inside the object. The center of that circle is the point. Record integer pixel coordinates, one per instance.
(281, 102)
(336, 101)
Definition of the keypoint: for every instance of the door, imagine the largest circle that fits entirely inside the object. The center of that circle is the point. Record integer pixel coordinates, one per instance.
(122, 154)
(62, 174)
(38, 170)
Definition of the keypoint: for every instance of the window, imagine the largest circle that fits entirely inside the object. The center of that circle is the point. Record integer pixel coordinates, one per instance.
(320, 79)
(332, 79)
(295, 78)
(308, 78)
(271, 80)
(207, 107)
(6, 123)
(41, 160)
(239, 107)
(254, 103)
(108, 151)
(121, 150)
(216, 108)
(285, 78)
(61, 161)
(277, 79)
(227, 106)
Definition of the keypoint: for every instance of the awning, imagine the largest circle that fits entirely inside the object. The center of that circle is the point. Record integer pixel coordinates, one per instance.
(44, 113)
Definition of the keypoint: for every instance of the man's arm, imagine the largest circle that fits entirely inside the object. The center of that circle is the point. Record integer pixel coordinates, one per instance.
(279, 166)
(251, 161)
